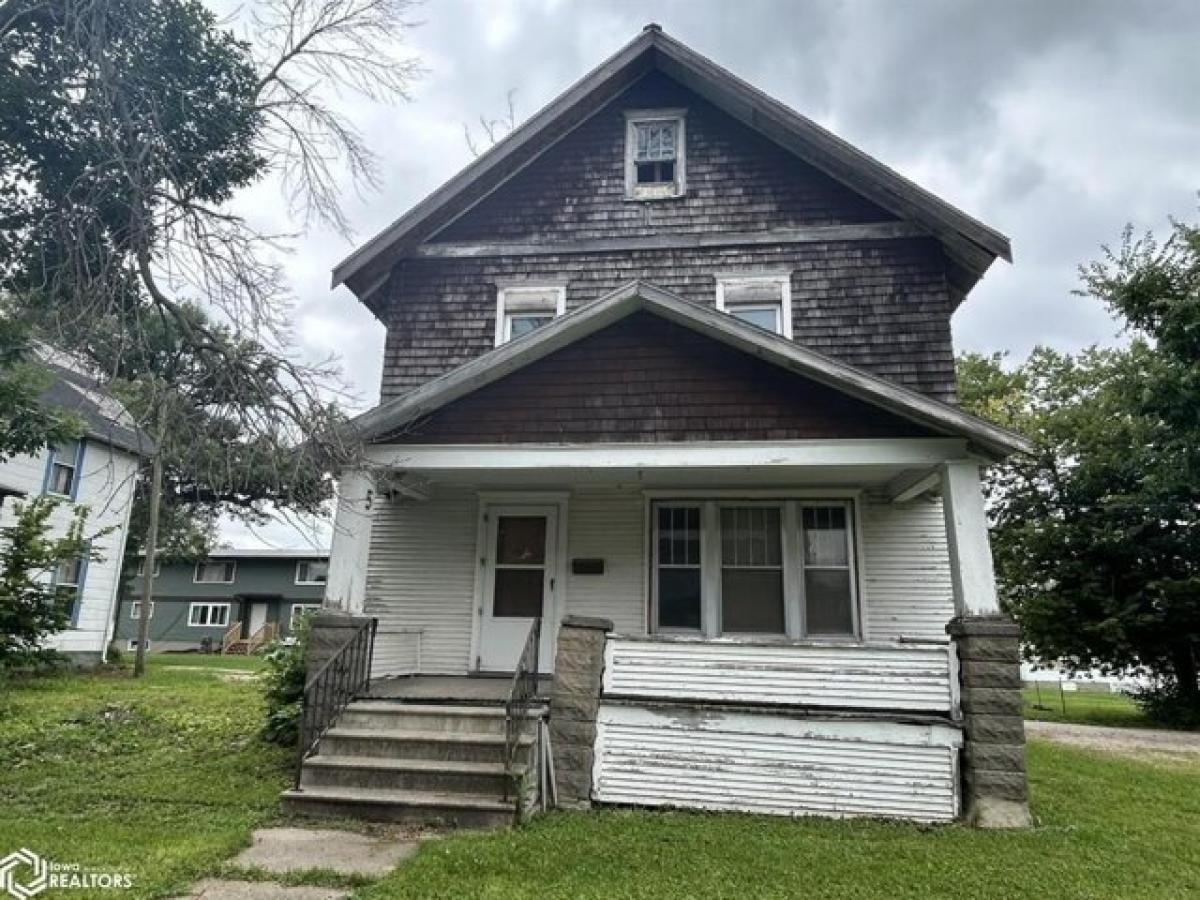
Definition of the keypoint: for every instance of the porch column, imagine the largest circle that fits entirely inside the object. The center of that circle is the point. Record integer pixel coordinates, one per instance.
(988, 645)
(574, 704)
(346, 585)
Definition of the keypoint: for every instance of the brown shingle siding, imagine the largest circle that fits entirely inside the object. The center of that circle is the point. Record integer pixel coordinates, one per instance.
(882, 306)
(646, 379)
(737, 180)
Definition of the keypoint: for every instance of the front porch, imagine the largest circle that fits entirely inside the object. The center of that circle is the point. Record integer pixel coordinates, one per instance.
(450, 689)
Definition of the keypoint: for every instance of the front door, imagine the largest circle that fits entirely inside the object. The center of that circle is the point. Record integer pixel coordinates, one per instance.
(258, 617)
(519, 583)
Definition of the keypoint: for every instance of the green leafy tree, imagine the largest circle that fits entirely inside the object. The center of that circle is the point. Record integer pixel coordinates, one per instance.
(31, 606)
(134, 125)
(1097, 533)
(27, 424)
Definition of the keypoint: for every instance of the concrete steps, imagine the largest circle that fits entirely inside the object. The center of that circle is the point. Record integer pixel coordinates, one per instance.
(414, 763)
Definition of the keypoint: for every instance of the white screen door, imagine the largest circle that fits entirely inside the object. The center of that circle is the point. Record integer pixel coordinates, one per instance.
(519, 582)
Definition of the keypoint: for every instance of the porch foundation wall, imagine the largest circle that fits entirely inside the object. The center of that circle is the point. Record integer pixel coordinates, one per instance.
(574, 705)
(995, 792)
(328, 631)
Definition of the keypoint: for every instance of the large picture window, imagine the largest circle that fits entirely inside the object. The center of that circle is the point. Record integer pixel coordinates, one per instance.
(766, 567)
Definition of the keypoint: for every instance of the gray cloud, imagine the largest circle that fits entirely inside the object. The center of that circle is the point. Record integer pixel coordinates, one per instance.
(1055, 122)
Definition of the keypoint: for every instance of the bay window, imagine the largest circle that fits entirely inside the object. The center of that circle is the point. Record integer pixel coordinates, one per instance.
(781, 568)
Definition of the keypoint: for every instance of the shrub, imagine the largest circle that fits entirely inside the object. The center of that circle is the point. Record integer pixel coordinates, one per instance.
(1166, 704)
(284, 686)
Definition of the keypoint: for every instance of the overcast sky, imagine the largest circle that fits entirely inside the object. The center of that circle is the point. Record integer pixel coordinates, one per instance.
(1054, 122)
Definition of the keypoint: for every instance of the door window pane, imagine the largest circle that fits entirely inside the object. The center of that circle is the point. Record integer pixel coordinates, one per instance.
(518, 593)
(751, 570)
(521, 540)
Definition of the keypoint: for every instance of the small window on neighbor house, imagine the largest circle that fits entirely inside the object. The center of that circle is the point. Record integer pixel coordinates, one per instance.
(312, 571)
(523, 309)
(135, 609)
(141, 567)
(654, 154)
(215, 572)
(208, 615)
(761, 300)
(62, 474)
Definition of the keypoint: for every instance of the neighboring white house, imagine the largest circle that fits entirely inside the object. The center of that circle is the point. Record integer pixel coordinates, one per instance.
(99, 472)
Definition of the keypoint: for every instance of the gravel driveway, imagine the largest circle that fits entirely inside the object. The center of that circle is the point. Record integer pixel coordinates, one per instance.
(1136, 742)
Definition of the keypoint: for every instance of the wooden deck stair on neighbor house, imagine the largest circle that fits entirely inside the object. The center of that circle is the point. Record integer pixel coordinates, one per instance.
(234, 644)
(417, 763)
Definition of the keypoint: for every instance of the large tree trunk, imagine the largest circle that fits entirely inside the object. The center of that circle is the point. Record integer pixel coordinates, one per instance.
(149, 561)
(1183, 661)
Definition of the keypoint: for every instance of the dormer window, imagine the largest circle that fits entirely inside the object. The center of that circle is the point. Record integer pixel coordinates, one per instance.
(762, 299)
(654, 154)
(525, 308)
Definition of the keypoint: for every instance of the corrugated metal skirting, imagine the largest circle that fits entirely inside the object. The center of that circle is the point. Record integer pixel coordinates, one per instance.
(775, 763)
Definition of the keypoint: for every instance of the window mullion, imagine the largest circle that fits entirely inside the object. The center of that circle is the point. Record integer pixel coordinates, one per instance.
(793, 605)
(710, 569)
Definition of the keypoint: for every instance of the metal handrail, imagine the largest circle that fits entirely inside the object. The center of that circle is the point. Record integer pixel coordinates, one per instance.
(520, 697)
(331, 688)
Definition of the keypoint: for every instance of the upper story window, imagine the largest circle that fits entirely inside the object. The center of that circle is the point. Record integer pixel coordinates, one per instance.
(312, 571)
(525, 308)
(62, 469)
(764, 300)
(215, 572)
(655, 162)
(141, 567)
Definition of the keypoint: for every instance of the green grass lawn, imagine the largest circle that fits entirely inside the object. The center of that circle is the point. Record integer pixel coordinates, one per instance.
(1107, 828)
(165, 778)
(252, 663)
(162, 777)
(1083, 708)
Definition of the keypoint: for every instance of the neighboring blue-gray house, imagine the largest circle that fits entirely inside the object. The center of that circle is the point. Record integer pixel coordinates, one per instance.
(233, 602)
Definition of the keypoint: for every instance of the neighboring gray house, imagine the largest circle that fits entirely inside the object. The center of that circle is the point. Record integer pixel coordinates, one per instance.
(236, 600)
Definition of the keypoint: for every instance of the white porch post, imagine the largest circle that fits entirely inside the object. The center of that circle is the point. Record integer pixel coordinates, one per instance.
(972, 574)
(346, 587)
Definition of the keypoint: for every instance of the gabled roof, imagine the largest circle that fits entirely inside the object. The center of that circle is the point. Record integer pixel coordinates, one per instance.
(104, 417)
(971, 245)
(390, 417)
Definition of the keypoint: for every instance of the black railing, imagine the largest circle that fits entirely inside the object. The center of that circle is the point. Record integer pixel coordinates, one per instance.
(521, 696)
(331, 688)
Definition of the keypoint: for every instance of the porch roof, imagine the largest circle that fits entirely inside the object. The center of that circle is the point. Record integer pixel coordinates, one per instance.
(991, 440)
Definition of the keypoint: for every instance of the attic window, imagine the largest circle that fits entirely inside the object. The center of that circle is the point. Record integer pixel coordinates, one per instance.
(525, 308)
(763, 299)
(654, 154)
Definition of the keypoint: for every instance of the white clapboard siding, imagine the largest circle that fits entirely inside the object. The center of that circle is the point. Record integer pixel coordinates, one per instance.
(608, 525)
(421, 576)
(106, 483)
(845, 676)
(397, 652)
(906, 589)
(775, 763)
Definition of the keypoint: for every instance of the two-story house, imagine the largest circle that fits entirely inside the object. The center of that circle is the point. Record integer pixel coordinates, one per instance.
(672, 364)
(98, 471)
(233, 601)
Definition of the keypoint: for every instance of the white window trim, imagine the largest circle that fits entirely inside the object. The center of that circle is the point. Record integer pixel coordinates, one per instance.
(212, 605)
(302, 562)
(783, 279)
(634, 117)
(504, 319)
(300, 607)
(141, 568)
(223, 562)
(135, 609)
(131, 645)
(790, 503)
